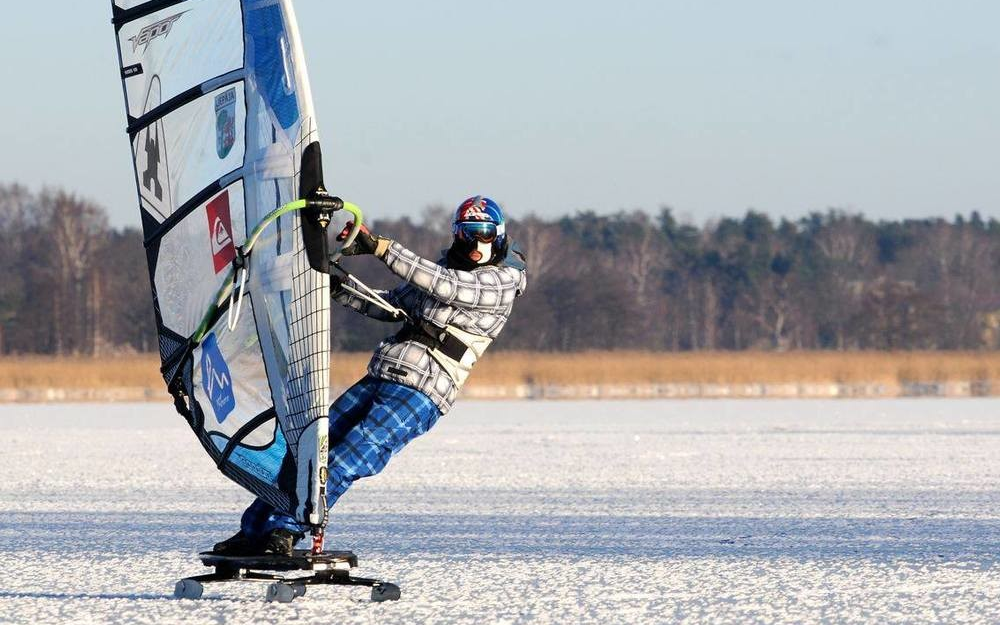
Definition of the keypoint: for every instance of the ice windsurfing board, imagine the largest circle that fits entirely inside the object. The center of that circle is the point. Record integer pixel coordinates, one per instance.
(220, 116)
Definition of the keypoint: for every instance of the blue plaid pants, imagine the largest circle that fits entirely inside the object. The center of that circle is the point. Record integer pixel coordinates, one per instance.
(371, 422)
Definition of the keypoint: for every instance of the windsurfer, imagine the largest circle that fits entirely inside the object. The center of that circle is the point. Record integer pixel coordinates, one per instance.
(452, 310)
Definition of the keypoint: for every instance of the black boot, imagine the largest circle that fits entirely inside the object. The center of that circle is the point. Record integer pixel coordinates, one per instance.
(281, 542)
(238, 545)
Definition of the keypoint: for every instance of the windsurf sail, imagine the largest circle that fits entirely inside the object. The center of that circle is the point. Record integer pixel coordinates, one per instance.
(225, 144)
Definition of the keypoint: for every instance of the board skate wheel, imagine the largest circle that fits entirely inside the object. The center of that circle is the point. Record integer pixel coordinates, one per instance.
(188, 589)
(299, 589)
(385, 592)
(282, 593)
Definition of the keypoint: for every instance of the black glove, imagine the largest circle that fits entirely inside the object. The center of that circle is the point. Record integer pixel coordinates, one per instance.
(336, 284)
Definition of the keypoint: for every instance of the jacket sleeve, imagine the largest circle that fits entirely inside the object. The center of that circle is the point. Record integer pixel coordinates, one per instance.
(487, 288)
(365, 307)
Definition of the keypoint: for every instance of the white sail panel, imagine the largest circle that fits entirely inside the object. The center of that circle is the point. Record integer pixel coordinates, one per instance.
(151, 164)
(182, 46)
(190, 148)
(194, 257)
(229, 378)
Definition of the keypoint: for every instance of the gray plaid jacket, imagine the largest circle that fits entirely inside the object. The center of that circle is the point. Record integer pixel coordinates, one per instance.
(477, 301)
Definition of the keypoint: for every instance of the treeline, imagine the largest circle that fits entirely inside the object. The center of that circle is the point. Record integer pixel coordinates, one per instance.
(69, 284)
(831, 280)
(73, 285)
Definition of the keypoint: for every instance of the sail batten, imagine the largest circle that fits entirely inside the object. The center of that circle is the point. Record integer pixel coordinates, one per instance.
(220, 114)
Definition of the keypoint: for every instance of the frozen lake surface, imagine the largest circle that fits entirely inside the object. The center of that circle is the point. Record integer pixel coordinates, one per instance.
(617, 512)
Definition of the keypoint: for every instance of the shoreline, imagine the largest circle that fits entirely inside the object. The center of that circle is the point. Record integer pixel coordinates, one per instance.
(573, 376)
(598, 392)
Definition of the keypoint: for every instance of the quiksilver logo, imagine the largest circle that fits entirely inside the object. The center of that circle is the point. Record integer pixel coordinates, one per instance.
(154, 30)
(220, 236)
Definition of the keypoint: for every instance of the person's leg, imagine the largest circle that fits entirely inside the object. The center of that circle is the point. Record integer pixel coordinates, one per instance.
(255, 519)
(398, 414)
(260, 519)
(351, 407)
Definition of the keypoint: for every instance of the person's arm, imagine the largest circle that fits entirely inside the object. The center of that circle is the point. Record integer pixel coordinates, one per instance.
(365, 307)
(488, 288)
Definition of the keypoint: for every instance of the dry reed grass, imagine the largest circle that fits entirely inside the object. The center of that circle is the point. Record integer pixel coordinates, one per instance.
(509, 368)
(139, 371)
(738, 367)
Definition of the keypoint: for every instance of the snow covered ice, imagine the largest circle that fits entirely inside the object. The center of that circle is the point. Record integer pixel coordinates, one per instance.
(544, 512)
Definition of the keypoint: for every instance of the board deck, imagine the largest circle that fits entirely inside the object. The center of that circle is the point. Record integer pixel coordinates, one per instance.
(329, 568)
(300, 560)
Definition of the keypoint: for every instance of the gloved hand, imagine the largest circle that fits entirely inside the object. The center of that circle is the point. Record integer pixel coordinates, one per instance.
(364, 243)
(336, 284)
(338, 278)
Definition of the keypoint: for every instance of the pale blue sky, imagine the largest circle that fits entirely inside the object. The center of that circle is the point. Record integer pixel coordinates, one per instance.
(890, 108)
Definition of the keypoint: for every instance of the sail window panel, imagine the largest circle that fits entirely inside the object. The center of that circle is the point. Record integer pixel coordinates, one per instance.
(230, 383)
(178, 48)
(195, 257)
(260, 437)
(270, 62)
(186, 151)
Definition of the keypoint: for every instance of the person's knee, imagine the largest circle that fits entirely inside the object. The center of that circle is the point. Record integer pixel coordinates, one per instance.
(383, 435)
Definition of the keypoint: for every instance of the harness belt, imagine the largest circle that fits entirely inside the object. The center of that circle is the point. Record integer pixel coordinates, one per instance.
(454, 349)
(433, 337)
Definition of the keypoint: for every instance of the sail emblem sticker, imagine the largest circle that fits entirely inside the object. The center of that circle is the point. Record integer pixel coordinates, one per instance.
(225, 122)
(220, 231)
(161, 28)
(216, 380)
(150, 150)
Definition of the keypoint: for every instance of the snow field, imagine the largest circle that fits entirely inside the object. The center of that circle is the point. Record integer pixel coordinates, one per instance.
(536, 512)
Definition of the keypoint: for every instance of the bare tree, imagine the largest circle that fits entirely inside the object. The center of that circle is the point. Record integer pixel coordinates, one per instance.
(72, 231)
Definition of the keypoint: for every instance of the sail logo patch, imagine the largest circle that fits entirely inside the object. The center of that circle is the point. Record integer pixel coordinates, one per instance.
(150, 150)
(131, 70)
(216, 380)
(225, 122)
(161, 28)
(151, 175)
(220, 232)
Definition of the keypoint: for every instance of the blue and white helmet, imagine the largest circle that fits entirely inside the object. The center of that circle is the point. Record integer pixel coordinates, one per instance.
(480, 230)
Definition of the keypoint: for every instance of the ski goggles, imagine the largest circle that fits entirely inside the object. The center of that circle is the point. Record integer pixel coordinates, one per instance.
(484, 231)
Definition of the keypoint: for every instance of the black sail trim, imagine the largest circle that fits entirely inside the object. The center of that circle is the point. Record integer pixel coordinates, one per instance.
(124, 16)
(245, 431)
(188, 207)
(138, 124)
